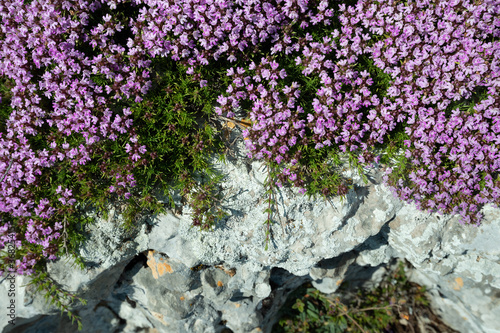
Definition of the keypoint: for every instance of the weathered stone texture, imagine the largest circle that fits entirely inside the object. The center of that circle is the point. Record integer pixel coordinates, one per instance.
(168, 277)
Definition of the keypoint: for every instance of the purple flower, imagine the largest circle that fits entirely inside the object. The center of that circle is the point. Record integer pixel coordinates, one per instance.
(273, 141)
(422, 82)
(283, 149)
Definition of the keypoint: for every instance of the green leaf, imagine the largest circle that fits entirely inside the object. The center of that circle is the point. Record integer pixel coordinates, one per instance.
(313, 313)
(299, 305)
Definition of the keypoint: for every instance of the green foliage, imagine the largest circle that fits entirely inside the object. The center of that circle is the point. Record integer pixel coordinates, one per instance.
(309, 310)
(467, 105)
(270, 200)
(381, 80)
(322, 169)
(173, 123)
(55, 295)
(5, 108)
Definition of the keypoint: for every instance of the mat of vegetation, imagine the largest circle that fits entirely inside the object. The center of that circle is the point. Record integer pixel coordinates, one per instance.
(103, 101)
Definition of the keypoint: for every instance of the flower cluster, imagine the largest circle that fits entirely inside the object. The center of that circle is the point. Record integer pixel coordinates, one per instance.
(196, 32)
(82, 62)
(55, 90)
(439, 54)
(73, 65)
(274, 116)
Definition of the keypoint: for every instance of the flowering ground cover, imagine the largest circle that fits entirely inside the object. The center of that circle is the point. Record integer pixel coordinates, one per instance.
(103, 100)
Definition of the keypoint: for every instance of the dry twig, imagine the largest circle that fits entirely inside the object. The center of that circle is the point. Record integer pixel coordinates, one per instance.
(6, 171)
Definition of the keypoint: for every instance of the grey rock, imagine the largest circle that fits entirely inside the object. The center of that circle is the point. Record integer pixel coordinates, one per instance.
(165, 276)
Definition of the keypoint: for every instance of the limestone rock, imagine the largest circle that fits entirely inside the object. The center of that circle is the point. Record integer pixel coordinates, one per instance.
(168, 277)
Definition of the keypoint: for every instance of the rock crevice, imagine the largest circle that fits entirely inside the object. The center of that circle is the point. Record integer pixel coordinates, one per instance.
(173, 278)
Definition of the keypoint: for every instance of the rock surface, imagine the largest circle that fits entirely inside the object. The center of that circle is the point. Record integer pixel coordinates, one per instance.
(167, 277)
